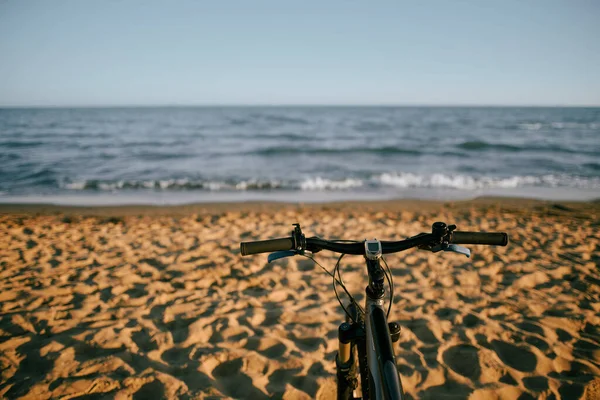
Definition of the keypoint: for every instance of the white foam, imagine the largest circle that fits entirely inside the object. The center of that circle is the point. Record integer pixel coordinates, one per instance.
(319, 183)
(214, 186)
(403, 180)
(165, 184)
(572, 125)
(111, 186)
(75, 185)
(465, 182)
(531, 126)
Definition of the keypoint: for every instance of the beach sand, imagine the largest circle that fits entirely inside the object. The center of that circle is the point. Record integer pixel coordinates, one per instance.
(156, 302)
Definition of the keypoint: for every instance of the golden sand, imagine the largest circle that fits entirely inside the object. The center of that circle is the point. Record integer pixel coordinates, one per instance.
(144, 302)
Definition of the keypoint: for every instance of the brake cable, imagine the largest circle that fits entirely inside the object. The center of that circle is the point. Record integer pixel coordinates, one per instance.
(388, 275)
(339, 282)
(390, 280)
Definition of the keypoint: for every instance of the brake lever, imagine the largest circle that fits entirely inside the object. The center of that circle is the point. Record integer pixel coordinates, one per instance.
(449, 247)
(281, 254)
(458, 249)
(445, 236)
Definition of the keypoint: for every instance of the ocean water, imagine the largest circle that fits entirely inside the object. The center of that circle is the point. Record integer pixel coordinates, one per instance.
(190, 154)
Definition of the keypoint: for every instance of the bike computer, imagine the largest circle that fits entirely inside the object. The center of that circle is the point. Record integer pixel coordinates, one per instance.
(373, 249)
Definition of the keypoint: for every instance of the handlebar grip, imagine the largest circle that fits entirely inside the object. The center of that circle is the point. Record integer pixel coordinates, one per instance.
(266, 246)
(492, 238)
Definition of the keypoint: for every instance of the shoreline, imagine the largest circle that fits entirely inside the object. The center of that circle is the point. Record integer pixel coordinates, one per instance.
(423, 205)
(184, 198)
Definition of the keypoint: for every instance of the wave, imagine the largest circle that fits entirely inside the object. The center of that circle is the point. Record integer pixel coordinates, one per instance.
(19, 144)
(162, 155)
(592, 165)
(275, 136)
(532, 126)
(26, 177)
(239, 121)
(319, 183)
(369, 126)
(281, 150)
(169, 184)
(150, 144)
(467, 182)
(6, 157)
(536, 126)
(479, 145)
(309, 184)
(281, 119)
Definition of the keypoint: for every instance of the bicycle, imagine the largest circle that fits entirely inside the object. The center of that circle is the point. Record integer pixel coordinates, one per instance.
(366, 338)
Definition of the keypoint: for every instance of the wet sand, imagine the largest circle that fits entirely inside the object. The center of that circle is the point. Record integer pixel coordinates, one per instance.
(156, 302)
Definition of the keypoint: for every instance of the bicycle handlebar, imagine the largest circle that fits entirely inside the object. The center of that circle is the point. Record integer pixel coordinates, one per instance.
(489, 238)
(315, 244)
(266, 246)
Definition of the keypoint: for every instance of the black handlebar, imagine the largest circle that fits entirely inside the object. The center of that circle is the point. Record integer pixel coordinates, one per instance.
(266, 246)
(490, 238)
(315, 244)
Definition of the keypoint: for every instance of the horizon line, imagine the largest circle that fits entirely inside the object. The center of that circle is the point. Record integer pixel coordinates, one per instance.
(299, 105)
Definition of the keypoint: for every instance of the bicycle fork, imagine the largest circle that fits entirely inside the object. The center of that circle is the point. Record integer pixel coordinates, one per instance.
(351, 336)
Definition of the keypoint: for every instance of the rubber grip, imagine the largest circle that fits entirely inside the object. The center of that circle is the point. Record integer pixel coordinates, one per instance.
(266, 246)
(492, 238)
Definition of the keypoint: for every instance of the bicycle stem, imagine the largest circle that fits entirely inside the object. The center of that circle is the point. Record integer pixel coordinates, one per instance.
(375, 290)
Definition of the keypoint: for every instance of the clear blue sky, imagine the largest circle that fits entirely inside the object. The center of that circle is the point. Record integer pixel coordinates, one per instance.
(145, 52)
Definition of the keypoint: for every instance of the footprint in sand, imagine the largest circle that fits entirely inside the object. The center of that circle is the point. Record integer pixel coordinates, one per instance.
(536, 383)
(176, 356)
(515, 357)
(269, 347)
(464, 360)
(151, 390)
(143, 340)
(231, 381)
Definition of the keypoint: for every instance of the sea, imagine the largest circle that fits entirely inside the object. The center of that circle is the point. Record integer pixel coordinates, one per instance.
(179, 155)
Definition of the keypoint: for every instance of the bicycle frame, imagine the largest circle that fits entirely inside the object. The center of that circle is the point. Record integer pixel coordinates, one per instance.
(372, 340)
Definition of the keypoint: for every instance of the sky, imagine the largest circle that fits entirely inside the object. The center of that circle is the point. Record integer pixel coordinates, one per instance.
(192, 52)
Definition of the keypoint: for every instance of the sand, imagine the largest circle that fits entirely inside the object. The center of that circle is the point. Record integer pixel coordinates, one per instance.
(156, 302)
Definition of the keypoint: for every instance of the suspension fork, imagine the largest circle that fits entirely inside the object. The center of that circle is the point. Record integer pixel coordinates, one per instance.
(351, 337)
